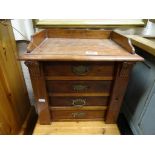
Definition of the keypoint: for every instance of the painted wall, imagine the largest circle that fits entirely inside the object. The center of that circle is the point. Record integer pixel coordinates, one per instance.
(25, 26)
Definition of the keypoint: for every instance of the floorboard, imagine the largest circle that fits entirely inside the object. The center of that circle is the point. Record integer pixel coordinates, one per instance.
(77, 128)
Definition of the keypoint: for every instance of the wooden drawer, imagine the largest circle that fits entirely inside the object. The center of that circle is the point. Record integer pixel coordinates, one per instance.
(60, 114)
(79, 68)
(78, 101)
(78, 86)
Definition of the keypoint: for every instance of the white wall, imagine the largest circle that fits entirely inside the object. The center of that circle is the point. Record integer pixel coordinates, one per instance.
(150, 29)
(25, 26)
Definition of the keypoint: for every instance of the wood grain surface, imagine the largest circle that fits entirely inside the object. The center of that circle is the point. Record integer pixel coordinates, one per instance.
(95, 69)
(87, 101)
(78, 86)
(77, 128)
(73, 114)
(80, 44)
(14, 100)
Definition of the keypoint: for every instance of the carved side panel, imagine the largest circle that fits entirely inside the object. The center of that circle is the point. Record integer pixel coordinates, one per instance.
(39, 89)
(118, 92)
(125, 69)
(34, 68)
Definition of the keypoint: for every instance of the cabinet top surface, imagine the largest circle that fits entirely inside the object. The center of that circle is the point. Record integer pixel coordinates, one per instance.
(80, 45)
(68, 46)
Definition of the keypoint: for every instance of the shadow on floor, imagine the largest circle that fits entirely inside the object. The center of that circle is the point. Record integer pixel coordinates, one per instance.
(123, 125)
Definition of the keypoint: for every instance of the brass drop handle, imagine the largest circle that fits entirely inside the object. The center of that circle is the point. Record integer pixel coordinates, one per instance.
(78, 114)
(80, 87)
(78, 102)
(80, 69)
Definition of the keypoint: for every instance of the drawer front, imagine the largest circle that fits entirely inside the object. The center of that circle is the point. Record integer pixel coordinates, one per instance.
(78, 101)
(79, 69)
(77, 114)
(78, 86)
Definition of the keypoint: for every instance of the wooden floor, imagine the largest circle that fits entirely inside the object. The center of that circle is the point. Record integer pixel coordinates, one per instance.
(77, 128)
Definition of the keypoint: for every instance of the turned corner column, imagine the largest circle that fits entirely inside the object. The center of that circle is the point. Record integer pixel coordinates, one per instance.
(40, 92)
(123, 70)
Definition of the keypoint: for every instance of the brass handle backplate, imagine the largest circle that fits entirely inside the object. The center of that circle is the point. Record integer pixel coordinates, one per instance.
(78, 114)
(80, 87)
(78, 102)
(80, 69)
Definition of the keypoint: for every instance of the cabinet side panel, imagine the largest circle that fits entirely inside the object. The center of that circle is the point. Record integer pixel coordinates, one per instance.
(118, 92)
(40, 92)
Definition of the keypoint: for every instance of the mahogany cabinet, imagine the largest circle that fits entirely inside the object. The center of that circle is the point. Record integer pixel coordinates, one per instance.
(79, 74)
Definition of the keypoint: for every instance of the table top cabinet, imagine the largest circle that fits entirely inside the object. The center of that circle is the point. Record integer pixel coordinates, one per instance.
(79, 74)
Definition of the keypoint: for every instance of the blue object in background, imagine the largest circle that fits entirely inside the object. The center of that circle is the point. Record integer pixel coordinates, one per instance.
(139, 101)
